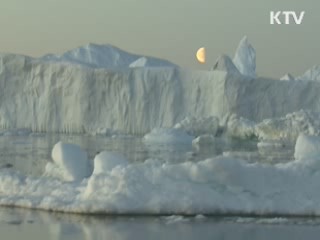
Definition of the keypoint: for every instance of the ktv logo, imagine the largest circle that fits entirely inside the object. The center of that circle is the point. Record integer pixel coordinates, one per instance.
(286, 17)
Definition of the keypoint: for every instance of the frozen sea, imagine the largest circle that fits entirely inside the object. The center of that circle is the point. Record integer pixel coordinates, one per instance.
(29, 153)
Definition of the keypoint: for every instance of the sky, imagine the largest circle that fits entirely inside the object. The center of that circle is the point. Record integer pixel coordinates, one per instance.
(169, 29)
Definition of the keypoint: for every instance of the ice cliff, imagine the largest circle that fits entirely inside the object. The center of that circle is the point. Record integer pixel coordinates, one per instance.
(74, 93)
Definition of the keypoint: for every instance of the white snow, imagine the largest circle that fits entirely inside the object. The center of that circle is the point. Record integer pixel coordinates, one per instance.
(70, 162)
(219, 185)
(312, 74)
(167, 136)
(245, 58)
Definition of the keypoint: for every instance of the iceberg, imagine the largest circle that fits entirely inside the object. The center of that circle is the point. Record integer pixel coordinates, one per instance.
(54, 97)
(100, 89)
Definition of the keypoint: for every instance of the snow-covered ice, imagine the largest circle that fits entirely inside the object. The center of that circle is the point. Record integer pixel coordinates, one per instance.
(229, 184)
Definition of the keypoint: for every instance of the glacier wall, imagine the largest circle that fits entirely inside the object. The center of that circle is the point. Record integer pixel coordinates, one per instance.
(62, 97)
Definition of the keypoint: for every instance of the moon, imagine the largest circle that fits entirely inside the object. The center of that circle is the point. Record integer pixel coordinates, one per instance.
(201, 55)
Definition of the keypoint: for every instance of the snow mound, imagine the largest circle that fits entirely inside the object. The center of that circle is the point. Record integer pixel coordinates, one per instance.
(312, 74)
(225, 63)
(69, 162)
(105, 56)
(105, 161)
(245, 58)
(287, 77)
(167, 136)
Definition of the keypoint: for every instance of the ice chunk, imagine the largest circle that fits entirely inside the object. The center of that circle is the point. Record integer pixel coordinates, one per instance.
(203, 140)
(238, 127)
(245, 58)
(197, 126)
(167, 136)
(105, 161)
(307, 147)
(71, 160)
(290, 126)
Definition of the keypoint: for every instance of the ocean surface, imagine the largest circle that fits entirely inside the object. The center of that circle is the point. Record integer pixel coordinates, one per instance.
(27, 224)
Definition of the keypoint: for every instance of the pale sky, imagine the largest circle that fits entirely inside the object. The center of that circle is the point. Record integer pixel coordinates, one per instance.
(169, 29)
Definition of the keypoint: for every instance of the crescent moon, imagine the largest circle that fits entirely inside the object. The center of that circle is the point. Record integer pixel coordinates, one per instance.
(201, 55)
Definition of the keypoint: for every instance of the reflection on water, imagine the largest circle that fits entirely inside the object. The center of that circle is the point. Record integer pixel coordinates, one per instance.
(26, 224)
(29, 154)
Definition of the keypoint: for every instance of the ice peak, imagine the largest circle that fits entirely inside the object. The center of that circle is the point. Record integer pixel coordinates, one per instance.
(313, 74)
(245, 58)
(106, 56)
(224, 63)
(287, 77)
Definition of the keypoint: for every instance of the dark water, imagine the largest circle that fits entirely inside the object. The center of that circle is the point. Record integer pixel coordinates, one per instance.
(25, 224)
